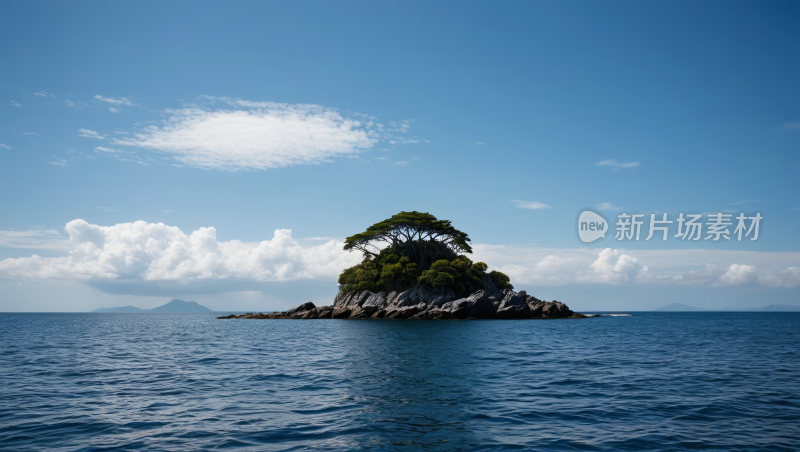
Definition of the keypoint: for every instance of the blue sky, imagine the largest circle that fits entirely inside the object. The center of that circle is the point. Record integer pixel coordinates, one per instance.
(323, 118)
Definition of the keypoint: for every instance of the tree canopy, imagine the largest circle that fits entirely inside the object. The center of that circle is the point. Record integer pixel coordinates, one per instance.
(416, 248)
(420, 236)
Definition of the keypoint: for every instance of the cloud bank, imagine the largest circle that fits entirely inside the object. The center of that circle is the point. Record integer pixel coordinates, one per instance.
(146, 255)
(143, 253)
(256, 135)
(720, 268)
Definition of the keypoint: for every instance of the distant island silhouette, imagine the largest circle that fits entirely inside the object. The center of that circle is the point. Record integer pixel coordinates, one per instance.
(680, 307)
(175, 305)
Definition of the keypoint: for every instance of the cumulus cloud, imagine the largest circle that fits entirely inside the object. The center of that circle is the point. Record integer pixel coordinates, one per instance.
(259, 136)
(114, 101)
(146, 253)
(612, 266)
(533, 205)
(90, 134)
(617, 165)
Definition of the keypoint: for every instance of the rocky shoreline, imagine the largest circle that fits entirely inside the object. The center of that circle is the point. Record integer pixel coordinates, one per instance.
(423, 302)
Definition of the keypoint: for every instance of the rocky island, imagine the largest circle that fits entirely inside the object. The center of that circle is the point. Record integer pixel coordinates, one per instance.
(413, 268)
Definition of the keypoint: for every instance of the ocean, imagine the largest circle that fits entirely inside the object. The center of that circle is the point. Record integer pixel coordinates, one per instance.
(661, 381)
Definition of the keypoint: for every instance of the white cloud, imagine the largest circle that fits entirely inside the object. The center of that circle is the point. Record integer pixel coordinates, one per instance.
(15, 104)
(608, 206)
(617, 165)
(400, 163)
(792, 125)
(143, 253)
(737, 274)
(57, 161)
(479, 142)
(414, 158)
(5, 146)
(90, 134)
(69, 103)
(783, 278)
(34, 239)
(43, 94)
(719, 268)
(109, 209)
(114, 101)
(613, 267)
(113, 110)
(269, 135)
(533, 205)
(105, 150)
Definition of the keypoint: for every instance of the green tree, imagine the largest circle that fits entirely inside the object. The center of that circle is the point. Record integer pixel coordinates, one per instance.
(413, 248)
(420, 236)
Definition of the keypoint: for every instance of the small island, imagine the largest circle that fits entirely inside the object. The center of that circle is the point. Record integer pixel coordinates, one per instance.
(415, 267)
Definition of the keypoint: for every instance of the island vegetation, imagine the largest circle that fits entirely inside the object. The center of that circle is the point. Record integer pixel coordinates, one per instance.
(413, 248)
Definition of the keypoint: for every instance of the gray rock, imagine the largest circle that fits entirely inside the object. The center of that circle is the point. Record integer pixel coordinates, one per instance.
(377, 300)
(514, 312)
(405, 311)
(420, 294)
(456, 309)
(511, 298)
(480, 305)
(300, 309)
(320, 312)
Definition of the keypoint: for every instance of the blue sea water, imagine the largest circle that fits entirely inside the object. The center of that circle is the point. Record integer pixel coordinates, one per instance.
(651, 381)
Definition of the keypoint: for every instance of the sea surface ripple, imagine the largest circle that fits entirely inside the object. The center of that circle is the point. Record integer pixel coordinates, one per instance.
(652, 381)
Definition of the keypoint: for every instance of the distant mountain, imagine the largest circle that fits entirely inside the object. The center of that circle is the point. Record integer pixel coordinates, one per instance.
(677, 307)
(680, 307)
(181, 306)
(173, 306)
(778, 308)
